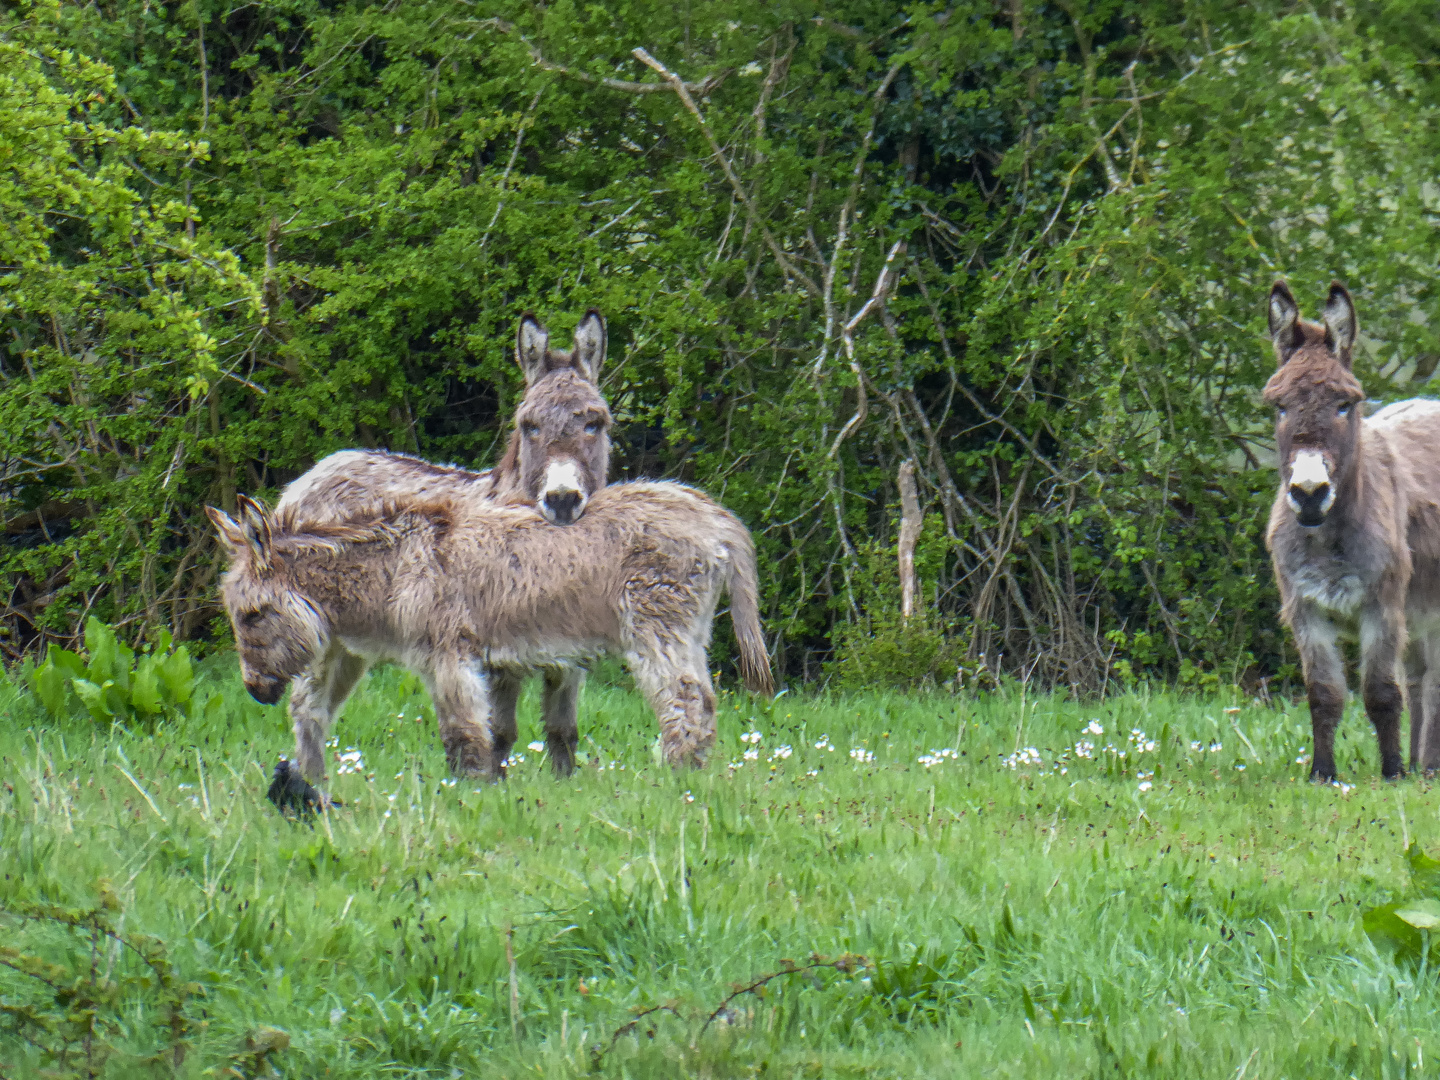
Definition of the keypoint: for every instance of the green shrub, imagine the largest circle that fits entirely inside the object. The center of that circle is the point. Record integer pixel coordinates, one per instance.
(887, 651)
(114, 683)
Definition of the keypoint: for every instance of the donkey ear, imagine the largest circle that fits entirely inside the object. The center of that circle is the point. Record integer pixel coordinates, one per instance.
(231, 534)
(532, 344)
(1284, 321)
(255, 524)
(1341, 325)
(590, 339)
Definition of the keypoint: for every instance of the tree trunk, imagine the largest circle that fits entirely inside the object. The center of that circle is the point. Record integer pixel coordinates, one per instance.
(909, 534)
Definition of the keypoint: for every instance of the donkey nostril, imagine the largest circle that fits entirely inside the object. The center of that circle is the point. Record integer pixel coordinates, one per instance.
(563, 504)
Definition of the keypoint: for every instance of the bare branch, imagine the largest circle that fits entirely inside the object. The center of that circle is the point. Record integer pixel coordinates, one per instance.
(514, 154)
(847, 335)
(909, 533)
(847, 212)
(701, 89)
(683, 90)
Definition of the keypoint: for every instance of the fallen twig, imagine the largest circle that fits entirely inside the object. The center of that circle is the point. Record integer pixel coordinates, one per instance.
(597, 1054)
(847, 963)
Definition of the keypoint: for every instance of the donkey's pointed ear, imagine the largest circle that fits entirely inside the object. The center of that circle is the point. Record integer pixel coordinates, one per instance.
(255, 523)
(1341, 325)
(1284, 321)
(590, 339)
(229, 530)
(532, 344)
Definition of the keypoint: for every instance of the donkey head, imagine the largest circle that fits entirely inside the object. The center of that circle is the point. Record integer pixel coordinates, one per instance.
(559, 454)
(277, 631)
(1316, 400)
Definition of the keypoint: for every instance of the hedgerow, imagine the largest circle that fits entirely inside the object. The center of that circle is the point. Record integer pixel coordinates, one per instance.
(1024, 244)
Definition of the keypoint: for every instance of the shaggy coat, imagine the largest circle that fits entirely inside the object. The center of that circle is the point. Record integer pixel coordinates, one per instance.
(1354, 535)
(459, 590)
(557, 457)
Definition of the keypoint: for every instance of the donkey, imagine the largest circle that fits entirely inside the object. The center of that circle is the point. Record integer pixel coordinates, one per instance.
(1354, 534)
(558, 456)
(455, 589)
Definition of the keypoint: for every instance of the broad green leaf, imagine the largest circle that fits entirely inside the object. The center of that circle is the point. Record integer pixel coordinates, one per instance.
(1424, 871)
(51, 686)
(1421, 914)
(145, 688)
(1391, 934)
(94, 698)
(68, 662)
(178, 675)
(103, 647)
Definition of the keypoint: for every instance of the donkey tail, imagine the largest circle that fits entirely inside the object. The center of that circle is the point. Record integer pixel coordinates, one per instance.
(743, 585)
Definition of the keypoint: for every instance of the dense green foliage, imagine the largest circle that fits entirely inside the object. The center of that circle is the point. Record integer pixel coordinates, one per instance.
(111, 683)
(1026, 900)
(238, 237)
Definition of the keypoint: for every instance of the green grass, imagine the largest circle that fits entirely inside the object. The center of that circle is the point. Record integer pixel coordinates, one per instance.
(1020, 922)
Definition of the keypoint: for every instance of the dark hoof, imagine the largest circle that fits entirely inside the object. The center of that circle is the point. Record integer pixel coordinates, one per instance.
(293, 795)
(1322, 776)
(1398, 774)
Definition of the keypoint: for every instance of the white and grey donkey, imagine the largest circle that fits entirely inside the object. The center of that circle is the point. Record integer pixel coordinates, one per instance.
(442, 585)
(558, 456)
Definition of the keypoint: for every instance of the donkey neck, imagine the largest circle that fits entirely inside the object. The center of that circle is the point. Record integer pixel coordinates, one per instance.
(346, 587)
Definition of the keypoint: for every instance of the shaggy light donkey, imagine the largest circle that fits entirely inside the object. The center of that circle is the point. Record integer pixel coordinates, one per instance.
(1354, 534)
(453, 589)
(557, 458)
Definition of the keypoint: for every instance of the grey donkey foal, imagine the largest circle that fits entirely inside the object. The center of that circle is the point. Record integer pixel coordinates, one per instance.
(558, 456)
(1354, 534)
(454, 588)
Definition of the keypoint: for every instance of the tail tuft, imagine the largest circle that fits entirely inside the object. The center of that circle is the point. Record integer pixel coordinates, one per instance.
(745, 617)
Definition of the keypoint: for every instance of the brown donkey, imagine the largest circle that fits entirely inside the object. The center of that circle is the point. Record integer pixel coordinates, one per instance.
(1354, 534)
(557, 458)
(456, 589)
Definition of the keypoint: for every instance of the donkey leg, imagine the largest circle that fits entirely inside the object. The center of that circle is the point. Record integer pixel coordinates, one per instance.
(1423, 708)
(560, 707)
(505, 688)
(1324, 671)
(678, 688)
(1382, 640)
(1415, 698)
(461, 690)
(315, 698)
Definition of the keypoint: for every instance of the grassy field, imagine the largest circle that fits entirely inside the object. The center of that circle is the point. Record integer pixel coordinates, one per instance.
(1026, 901)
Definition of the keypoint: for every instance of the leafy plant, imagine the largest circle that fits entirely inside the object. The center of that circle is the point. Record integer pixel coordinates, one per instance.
(113, 682)
(1404, 929)
(882, 649)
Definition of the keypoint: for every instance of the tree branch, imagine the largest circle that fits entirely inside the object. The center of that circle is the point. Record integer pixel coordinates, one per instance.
(683, 90)
(701, 89)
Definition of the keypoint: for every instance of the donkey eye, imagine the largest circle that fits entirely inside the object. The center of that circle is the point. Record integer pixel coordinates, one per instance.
(594, 427)
(1343, 410)
(251, 619)
(1280, 412)
(530, 431)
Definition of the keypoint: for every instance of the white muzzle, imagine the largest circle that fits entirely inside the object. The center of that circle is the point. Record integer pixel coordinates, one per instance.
(562, 494)
(1310, 494)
